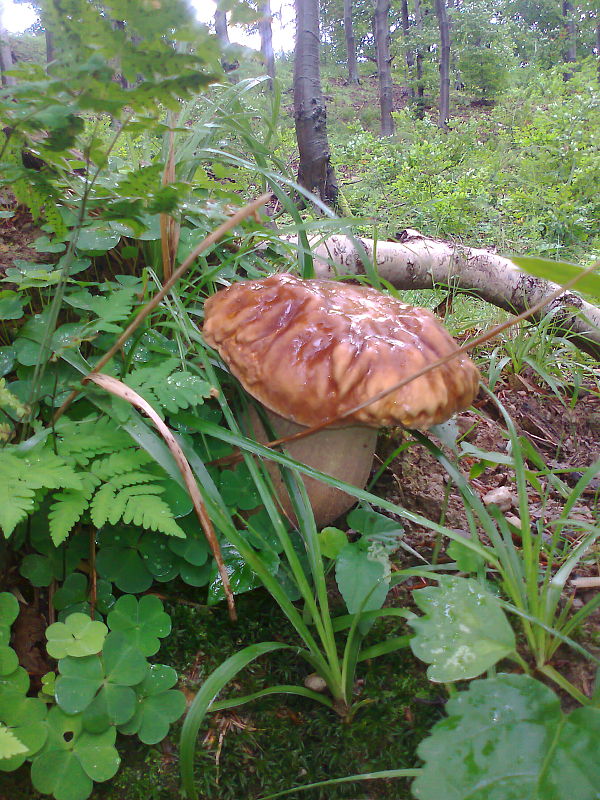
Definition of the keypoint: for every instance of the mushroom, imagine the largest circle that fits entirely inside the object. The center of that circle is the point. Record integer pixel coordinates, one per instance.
(310, 350)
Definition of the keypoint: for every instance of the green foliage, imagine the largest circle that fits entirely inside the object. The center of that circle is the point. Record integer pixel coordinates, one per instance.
(507, 737)
(78, 636)
(464, 633)
(104, 682)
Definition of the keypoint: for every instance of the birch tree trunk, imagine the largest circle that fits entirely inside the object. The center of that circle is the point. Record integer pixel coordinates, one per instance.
(444, 64)
(223, 37)
(315, 171)
(417, 262)
(382, 46)
(6, 62)
(266, 40)
(350, 43)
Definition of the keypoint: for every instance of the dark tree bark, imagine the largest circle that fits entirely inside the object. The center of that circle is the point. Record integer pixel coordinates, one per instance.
(410, 57)
(223, 37)
(382, 46)
(350, 43)
(315, 171)
(570, 54)
(6, 61)
(266, 40)
(420, 104)
(444, 64)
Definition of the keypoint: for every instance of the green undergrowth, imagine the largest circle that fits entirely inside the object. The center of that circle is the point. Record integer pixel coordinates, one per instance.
(282, 741)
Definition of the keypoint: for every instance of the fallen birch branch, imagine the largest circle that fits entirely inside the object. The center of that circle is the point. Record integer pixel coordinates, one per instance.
(417, 262)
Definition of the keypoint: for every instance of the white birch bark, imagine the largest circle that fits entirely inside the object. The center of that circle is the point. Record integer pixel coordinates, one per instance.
(417, 262)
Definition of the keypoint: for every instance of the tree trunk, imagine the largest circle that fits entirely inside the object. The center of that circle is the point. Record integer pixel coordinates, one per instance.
(315, 172)
(420, 104)
(382, 46)
(410, 58)
(6, 62)
(416, 262)
(570, 55)
(266, 40)
(223, 37)
(442, 15)
(350, 43)
(598, 47)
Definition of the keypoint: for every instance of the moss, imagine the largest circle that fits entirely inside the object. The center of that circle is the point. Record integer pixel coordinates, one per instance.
(281, 741)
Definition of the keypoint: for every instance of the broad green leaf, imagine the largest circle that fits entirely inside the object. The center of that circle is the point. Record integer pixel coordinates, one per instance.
(113, 705)
(123, 662)
(97, 754)
(9, 609)
(332, 541)
(77, 636)
(58, 772)
(144, 622)
(8, 660)
(506, 738)
(362, 581)
(11, 305)
(7, 360)
(464, 632)
(559, 272)
(24, 717)
(78, 682)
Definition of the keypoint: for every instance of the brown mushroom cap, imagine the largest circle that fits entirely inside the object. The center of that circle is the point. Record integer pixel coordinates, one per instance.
(311, 349)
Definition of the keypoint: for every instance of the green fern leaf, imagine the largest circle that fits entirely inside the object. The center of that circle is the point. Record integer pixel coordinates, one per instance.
(118, 463)
(22, 475)
(68, 508)
(10, 745)
(104, 506)
(167, 388)
(85, 440)
(181, 390)
(151, 512)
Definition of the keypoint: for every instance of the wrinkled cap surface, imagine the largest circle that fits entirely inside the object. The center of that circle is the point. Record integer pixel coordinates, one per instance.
(312, 349)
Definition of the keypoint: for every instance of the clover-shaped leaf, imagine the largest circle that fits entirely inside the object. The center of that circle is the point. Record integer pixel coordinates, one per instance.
(119, 560)
(25, 718)
(238, 489)
(78, 682)
(9, 660)
(17, 681)
(160, 560)
(123, 662)
(157, 705)
(506, 737)
(73, 758)
(9, 609)
(72, 597)
(113, 705)
(77, 636)
(465, 631)
(144, 622)
(193, 549)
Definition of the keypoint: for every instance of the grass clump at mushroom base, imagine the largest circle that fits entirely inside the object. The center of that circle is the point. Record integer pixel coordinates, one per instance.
(272, 744)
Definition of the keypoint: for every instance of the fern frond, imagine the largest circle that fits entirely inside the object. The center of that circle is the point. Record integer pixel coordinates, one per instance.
(103, 506)
(89, 438)
(168, 389)
(181, 390)
(119, 463)
(151, 512)
(22, 474)
(68, 508)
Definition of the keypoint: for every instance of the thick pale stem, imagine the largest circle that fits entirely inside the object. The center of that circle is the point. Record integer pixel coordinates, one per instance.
(345, 453)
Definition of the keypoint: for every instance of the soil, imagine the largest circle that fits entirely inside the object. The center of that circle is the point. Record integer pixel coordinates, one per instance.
(16, 236)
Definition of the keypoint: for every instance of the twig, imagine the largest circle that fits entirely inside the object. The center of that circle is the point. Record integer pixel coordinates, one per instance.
(213, 237)
(120, 389)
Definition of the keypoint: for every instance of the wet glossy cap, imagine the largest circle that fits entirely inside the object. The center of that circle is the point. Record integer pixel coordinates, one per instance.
(311, 349)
